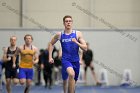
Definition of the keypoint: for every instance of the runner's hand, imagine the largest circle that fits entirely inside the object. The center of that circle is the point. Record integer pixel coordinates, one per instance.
(9, 58)
(14, 65)
(34, 62)
(81, 62)
(51, 61)
(74, 40)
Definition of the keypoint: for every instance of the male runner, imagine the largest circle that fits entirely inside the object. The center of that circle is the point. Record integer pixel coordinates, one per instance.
(28, 57)
(70, 41)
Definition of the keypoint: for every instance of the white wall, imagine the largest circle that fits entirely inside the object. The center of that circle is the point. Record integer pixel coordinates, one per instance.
(121, 13)
(114, 50)
(9, 19)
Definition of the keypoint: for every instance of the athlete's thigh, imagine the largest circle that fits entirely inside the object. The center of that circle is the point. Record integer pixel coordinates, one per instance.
(76, 67)
(7, 73)
(29, 74)
(22, 73)
(14, 73)
(15, 80)
(70, 71)
(65, 65)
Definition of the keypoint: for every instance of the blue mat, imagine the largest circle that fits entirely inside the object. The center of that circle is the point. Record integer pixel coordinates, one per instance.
(79, 89)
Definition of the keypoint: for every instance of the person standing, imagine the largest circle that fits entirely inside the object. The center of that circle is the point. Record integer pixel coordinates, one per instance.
(38, 66)
(88, 58)
(47, 69)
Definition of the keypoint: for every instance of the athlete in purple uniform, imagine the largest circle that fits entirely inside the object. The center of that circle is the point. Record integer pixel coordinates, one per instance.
(70, 41)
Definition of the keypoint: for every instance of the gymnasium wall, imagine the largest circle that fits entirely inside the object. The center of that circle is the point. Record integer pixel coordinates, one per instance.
(121, 13)
(114, 51)
(9, 19)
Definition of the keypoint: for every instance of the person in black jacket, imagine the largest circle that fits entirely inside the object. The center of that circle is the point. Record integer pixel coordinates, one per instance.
(57, 67)
(38, 66)
(88, 58)
(47, 69)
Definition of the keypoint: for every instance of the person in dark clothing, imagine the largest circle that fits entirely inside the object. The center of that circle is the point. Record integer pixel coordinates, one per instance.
(1, 63)
(11, 70)
(47, 69)
(39, 67)
(57, 67)
(88, 58)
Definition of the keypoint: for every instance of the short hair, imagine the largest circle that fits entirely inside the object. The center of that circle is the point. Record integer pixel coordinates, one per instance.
(28, 35)
(41, 50)
(12, 37)
(67, 16)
